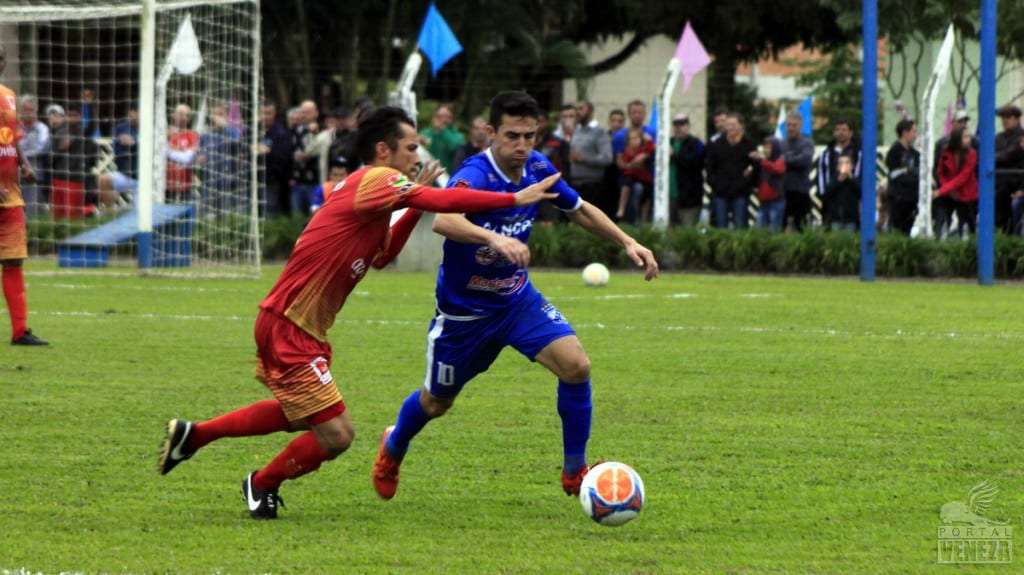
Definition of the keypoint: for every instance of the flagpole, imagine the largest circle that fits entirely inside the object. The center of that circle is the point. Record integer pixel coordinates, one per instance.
(663, 153)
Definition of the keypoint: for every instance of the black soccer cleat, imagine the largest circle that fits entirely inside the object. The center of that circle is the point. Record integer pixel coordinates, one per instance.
(262, 503)
(29, 338)
(175, 447)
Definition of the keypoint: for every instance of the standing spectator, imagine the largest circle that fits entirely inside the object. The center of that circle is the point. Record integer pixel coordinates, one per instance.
(34, 146)
(344, 142)
(72, 156)
(686, 172)
(276, 149)
(590, 153)
(844, 196)
(478, 142)
(220, 155)
(958, 184)
(341, 167)
(730, 171)
(610, 181)
(719, 119)
(771, 192)
(1009, 156)
(843, 143)
(90, 114)
(798, 152)
(561, 138)
(122, 182)
(960, 120)
(305, 167)
(636, 184)
(320, 146)
(903, 162)
(182, 145)
(441, 138)
(637, 113)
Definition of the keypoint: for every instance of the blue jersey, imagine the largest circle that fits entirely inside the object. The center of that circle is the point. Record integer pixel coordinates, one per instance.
(474, 280)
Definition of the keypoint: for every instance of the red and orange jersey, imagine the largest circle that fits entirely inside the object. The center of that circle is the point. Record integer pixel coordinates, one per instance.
(337, 248)
(10, 135)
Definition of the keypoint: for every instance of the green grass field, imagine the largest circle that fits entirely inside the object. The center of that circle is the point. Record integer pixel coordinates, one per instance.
(781, 425)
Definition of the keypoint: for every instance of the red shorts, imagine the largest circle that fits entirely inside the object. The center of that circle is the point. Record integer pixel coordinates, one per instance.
(13, 238)
(295, 366)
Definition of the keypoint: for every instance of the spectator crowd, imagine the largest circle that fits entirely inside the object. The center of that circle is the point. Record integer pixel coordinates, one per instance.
(729, 181)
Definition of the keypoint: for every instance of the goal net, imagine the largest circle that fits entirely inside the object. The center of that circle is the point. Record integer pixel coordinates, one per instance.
(140, 119)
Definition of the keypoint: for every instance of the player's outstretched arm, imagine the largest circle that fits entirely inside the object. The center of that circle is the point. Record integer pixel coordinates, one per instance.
(596, 222)
(465, 200)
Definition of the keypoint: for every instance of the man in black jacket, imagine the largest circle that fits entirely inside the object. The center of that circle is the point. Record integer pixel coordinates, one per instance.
(688, 169)
(732, 173)
(1009, 156)
(904, 163)
(843, 144)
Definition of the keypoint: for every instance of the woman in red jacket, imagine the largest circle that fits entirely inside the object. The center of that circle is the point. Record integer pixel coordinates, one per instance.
(958, 184)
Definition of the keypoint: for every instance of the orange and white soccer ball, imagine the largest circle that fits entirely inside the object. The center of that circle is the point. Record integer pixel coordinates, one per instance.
(595, 275)
(612, 493)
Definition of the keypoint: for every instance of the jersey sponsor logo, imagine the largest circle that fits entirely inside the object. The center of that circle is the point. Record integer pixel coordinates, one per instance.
(538, 166)
(553, 314)
(8, 152)
(6, 136)
(485, 256)
(400, 183)
(500, 286)
(358, 269)
(510, 229)
(322, 368)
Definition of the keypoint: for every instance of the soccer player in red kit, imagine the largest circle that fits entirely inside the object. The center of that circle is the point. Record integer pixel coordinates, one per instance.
(344, 238)
(13, 238)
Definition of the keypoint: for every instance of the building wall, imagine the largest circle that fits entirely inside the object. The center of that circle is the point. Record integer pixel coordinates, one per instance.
(640, 78)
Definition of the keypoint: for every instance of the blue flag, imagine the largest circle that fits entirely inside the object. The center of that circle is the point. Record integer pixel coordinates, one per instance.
(437, 41)
(652, 125)
(807, 113)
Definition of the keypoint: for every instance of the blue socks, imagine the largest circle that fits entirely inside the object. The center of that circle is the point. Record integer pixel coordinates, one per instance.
(411, 419)
(574, 407)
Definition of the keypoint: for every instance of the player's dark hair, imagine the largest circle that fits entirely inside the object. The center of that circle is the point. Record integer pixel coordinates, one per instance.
(903, 126)
(380, 125)
(515, 104)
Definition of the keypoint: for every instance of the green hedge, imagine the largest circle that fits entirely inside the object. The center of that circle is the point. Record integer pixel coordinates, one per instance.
(758, 251)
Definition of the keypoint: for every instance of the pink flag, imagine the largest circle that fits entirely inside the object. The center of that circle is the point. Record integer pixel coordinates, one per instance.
(691, 55)
(948, 126)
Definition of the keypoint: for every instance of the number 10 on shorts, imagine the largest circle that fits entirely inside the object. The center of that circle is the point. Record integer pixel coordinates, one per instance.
(445, 374)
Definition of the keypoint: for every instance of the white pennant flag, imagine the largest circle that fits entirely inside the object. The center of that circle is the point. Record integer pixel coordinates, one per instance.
(184, 54)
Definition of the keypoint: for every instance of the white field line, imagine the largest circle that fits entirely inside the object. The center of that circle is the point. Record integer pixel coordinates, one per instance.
(774, 331)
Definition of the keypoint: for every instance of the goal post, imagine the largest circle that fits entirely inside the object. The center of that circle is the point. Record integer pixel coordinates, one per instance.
(143, 119)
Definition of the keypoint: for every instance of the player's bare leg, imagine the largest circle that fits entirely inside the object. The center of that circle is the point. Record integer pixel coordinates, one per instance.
(566, 358)
(17, 306)
(418, 409)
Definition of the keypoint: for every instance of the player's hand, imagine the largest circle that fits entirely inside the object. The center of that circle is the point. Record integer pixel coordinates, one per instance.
(511, 249)
(27, 173)
(429, 173)
(538, 191)
(643, 258)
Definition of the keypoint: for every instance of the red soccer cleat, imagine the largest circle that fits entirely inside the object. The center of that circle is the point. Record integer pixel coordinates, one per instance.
(385, 468)
(571, 483)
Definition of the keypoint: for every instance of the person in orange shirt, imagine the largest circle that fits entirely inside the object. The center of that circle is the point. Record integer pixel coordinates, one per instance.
(13, 238)
(349, 235)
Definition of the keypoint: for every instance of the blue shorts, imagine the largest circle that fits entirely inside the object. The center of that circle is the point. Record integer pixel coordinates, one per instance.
(458, 349)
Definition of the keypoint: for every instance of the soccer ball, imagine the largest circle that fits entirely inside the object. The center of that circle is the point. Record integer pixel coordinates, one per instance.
(595, 275)
(612, 493)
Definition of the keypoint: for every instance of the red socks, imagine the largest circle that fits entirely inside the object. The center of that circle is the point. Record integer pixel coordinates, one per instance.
(260, 418)
(303, 455)
(14, 293)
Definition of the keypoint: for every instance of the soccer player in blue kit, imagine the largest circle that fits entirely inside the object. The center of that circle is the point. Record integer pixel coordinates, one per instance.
(485, 300)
